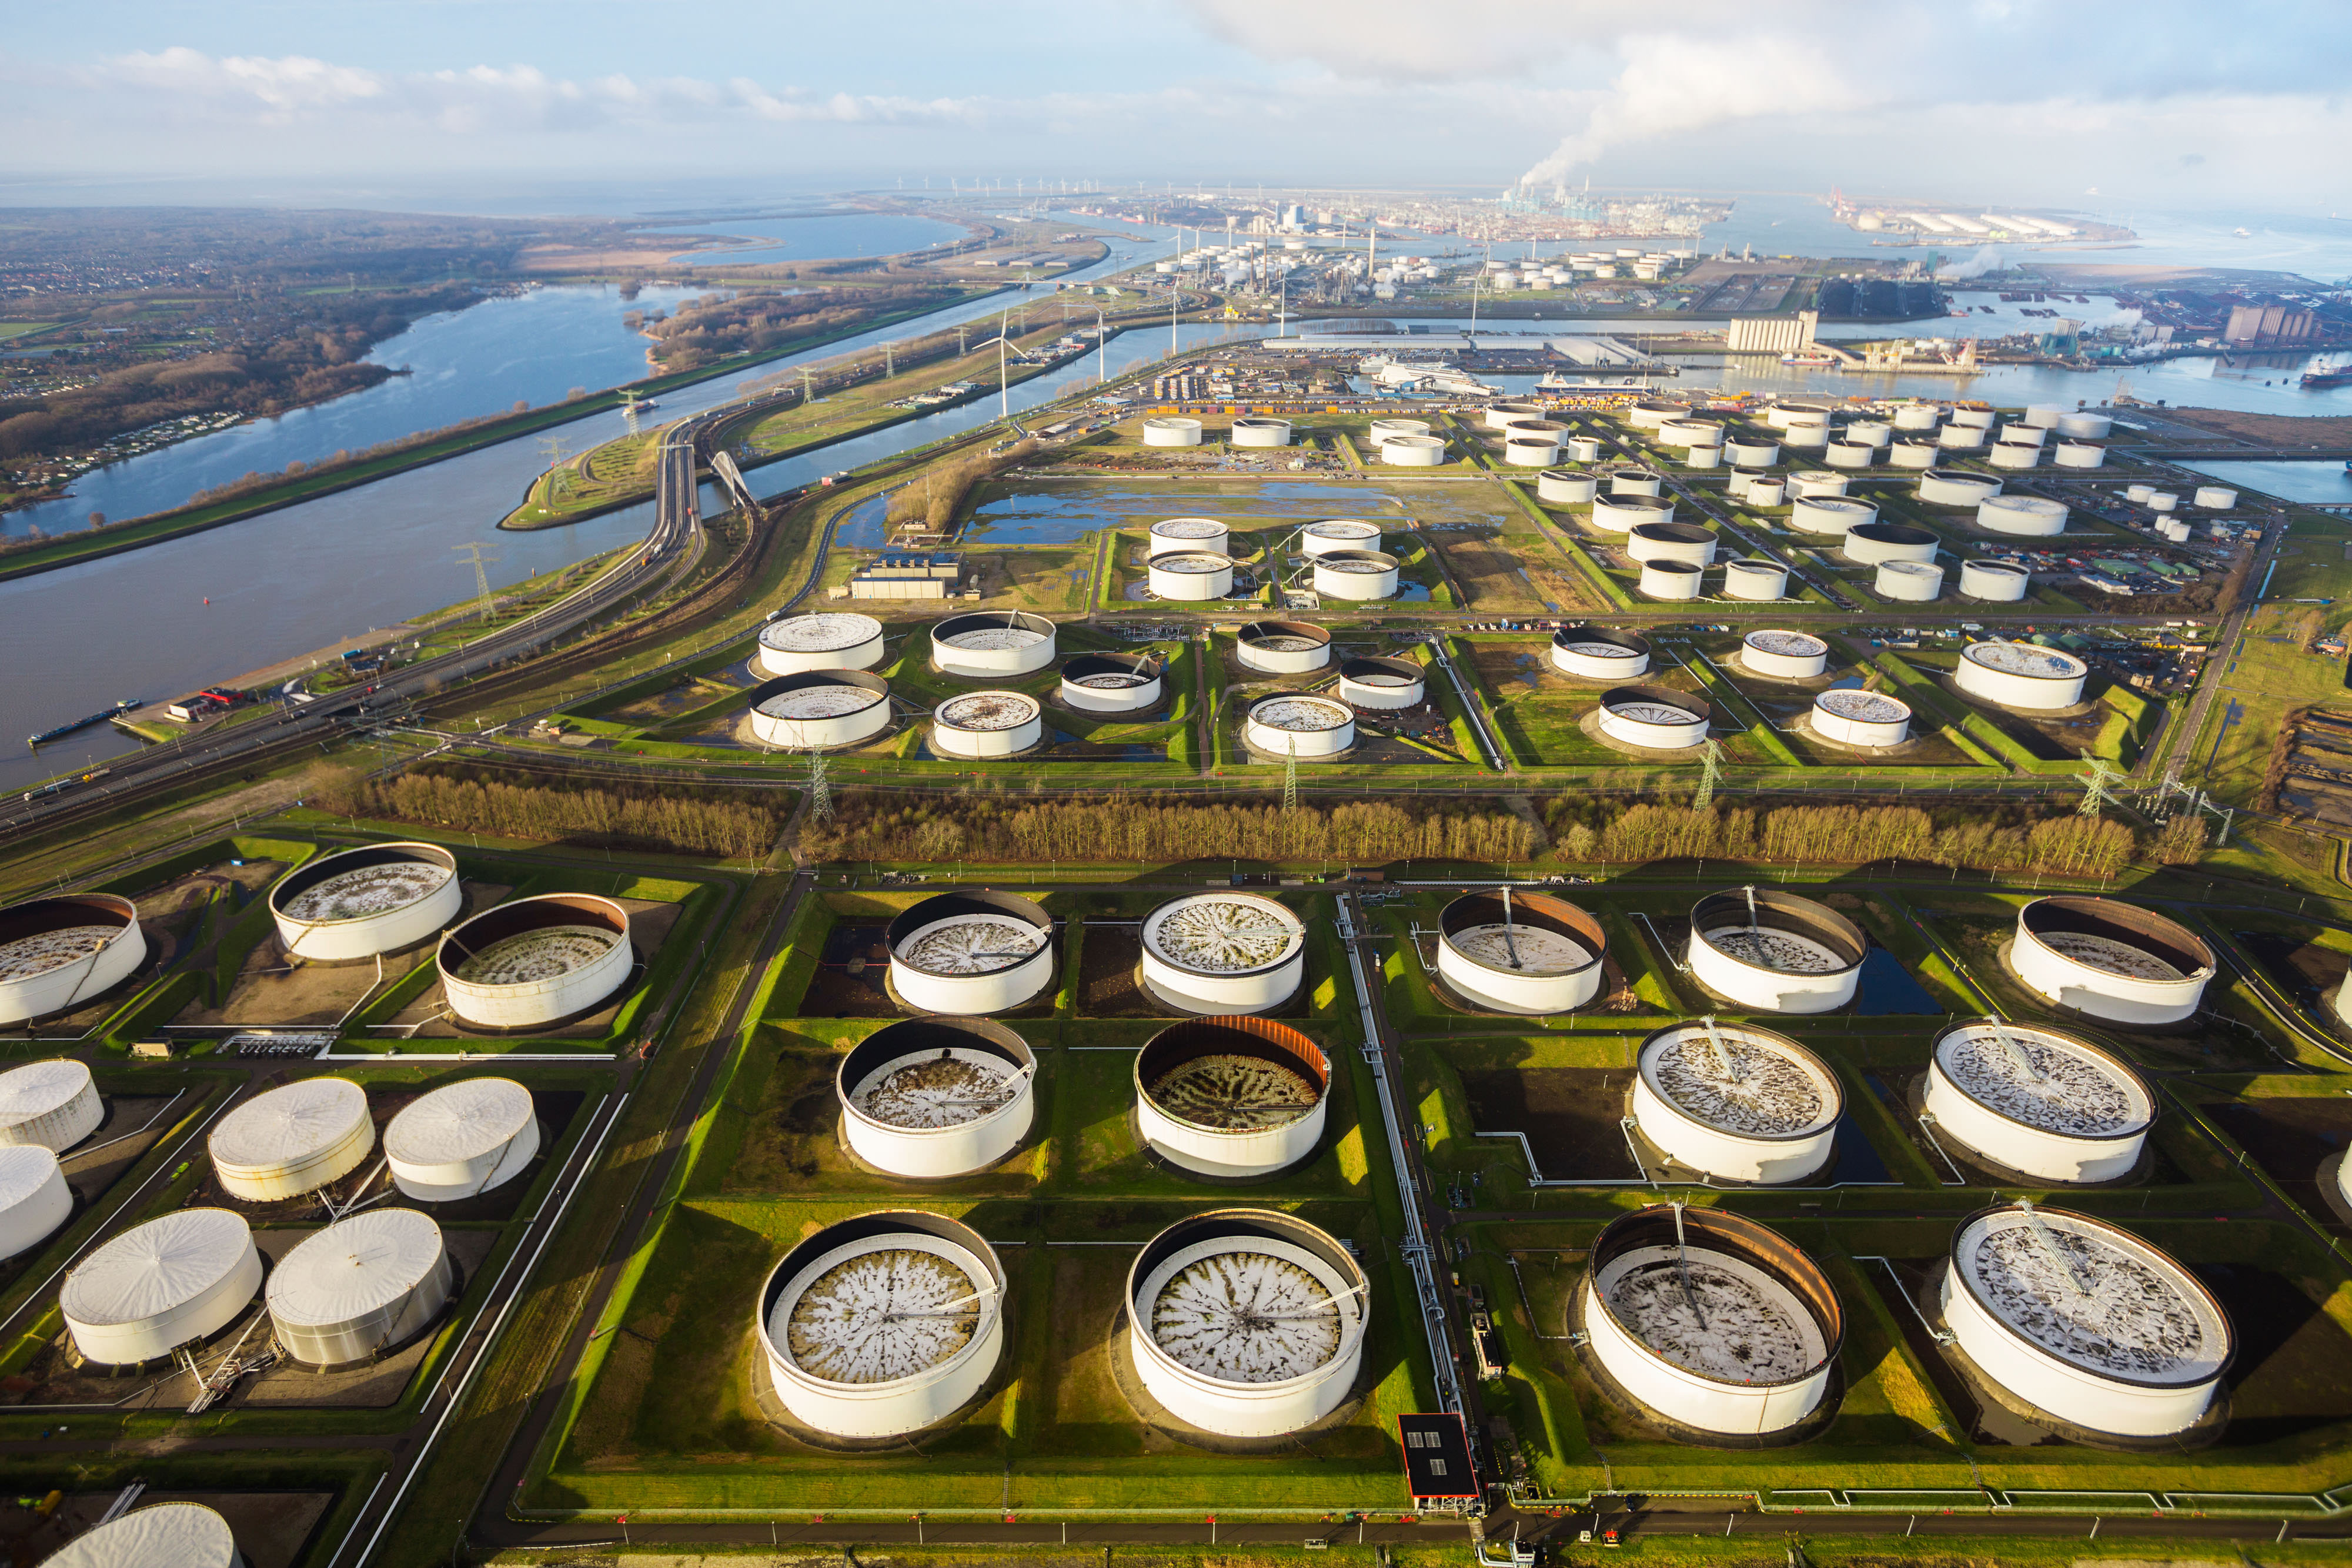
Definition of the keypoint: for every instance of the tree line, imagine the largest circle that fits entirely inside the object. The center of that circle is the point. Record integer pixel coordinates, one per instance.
(1979, 838)
(714, 329)
(623, 817)
(935, 502)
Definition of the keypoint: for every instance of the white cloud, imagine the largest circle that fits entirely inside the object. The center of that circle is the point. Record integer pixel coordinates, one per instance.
(284, 87)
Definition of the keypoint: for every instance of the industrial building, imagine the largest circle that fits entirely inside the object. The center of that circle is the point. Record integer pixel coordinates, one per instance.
(937, 575)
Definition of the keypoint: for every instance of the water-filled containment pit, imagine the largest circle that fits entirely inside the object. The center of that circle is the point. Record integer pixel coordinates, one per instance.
(2021, 674)
(1658, 718)
(536, 961)
(991, 644)
(53, 1103)
(1524, 953)
(364, 1285)
(1356, 574)
(1231, 1097)
(829, 639)
(161, 1535)
(2110, 959)
(34, 1198)
(1848, 716)
(1376, 681)
(1282, 647)
(980, 725)
(883, 1325)
(294, 1139)
(462, 1140)
(971, 953)
(1313, 729)
(1783, 654)
(2038, 1101)
(1600, 654)
(937, 1096)
(358, 903)
(1111, 683)
(818, 710)
(1329, 534)
(1180, 536)
(1711, 1324)
(1736, 1103)
(1223, 952)
(2078, 1318)
(1247, 1322)
(1774, 951)
(157, 1286)
(58, 953)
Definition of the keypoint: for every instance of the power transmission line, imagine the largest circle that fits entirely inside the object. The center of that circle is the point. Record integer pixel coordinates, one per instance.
(474, 553)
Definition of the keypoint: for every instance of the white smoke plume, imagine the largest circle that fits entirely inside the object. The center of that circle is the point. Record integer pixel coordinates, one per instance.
(1986, 258)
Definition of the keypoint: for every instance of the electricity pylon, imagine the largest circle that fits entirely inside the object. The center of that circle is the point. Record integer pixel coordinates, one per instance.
(474, 553)
(1710, 767)
(2097, 771)
(1290, 777)
(820, 787)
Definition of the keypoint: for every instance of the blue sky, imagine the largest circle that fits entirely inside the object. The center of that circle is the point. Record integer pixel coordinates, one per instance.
(2158, 102)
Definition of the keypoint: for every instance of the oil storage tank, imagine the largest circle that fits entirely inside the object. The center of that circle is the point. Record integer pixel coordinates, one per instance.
(1180, 536)
(883, 1325)
(1363, 575)
(462, 1140)
(1670, 580)
(1915, 453)
(2038, 1101)
(1617, 514)
(820, 710)
(1637, 482)
(1172, 430)
(1909, 582)
(1282, 647)
(1848, 716)
(981, 725)
(1784, 656)
(1328, 534)
(161, 1535)
(971, 953)
(1736, 1103)
(536, 962)
(1714, 1325)
(1998, 581)
(1524, 953)
(1658, 718)
(1231, 1097)
(1258, 430)
(53, 1103)
(1686, 542)
(357, 903)
(1223, 952)
(2021, 674)
(296, 1138)
(1956, 487)
(1559, 487)
(1111, 683)
(1194, 575)
(2080, 454)
(1748, 452)
(1385, 429)
(364, 1285)
(2086, 425)
(2081, 1320)
(158, 1286)
(936, 1097)
(1871, 543)
(829, 639)
(1775, 952)
(34, 1198)
(991, 644)
(1600, 654)
(1247, 1322)
(1830, 514)
(1312, 729)
(1380, 682)
(1413, 451)
(2110, 959)
(2033, 517)
(60, 952)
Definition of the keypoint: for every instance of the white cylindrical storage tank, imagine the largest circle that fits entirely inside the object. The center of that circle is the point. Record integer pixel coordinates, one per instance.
(2080, 454)
(830, 640)
(1650, 413)
(161, 1535)
(2038, 1103)
(936, 1097)
(2032, 517)
(883, 1325)
(1499, 416)
(2080, 1318)
(1909, 582)
(357, 903)
(296, 1138)
(1387, 429)
(1230, 1096)
(1955, 487)
(1806, 433)
(161, 1285)
(2018, 434)
(1172, 430)
(1849, 454)
(971, 953)
(1259, 430)
(1531, 451)
(34, 1198)
(1703, 458)
(980, 725)
(1313, 729)
(1829, 514)
(58, 952)
(1527, 954)
(2014, 454)
(1735, 1103)
(1848, 716)
(1558, 487)
(1247, 1322)
(2216, 497)
(1775, 952)
(2139, 493)
(1583, 449)
(1918, 454)
(991, 644)
(536, 961)
(1618, 514)
(1816, 483)
(2173, 530)
(1637, 482)
(1670, 580)
(1192, 575)
(2110, 959)
(1223, 952)
(1765, 1358)
(1376, 683)
(1747, 452)
(1658, 718)
(1961, 438)
(1600, 654)
(1917, 416)
(1997, 581)
(1870, 432)
(1413, 451)
(1752, 577)
(1690, 432)
(2162, 501)
(53, 1103)
(1784, 416)
(1356, 574)
(2021, 674)
(1282, 647)
(1784, 656)
(1973, 418)
(1111, 683)
(462, 1140)
(1188, 536)
(819, 710)
(1871, 543)
(2087, 426)
(1760, 490)
(361, 1286)
(2041, 415)
(1670, 542)
(1328, 534)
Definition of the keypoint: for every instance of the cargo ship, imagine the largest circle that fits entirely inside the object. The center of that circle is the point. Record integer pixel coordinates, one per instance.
(2320, 381)
(61, 731)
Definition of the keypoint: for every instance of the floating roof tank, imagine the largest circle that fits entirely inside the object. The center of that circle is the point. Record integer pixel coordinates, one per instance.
(1736, 1103)
(1784, 656)
(1999, 581)
(1754, 578)
(1849, 454)
(1312, 729)
(936, 1097)
(1618, 514)
(820, 710)
(1848, 716)
(830, 640)
(58, 952)
(1775, 952)
(1192, 575)
(1231, 1097)
(1559, 487)
(2021, 674)
(1816, 482)
(1329, 534)
(357, 903)
(1413, 451)
(1188, 536)
(2111, 959)
(971, 953)
(1111, 683)
(1670, 542)
(1377, 683)
(1282, 647)
(1830, 514)
(1637, 482)
(1670, 580)
(1600, 654)
(1956, 487)
(1524, 953)
(1257, 429)
(1871, 543)
(1909, 582)
(1169, 429)
(1363, 575)
(1747, 452)
(536, 962)
(979, 725)
(2037, 1101)
(991, 644)
(1659, 719)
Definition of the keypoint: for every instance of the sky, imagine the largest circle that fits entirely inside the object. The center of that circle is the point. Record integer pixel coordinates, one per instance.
(597, 105)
